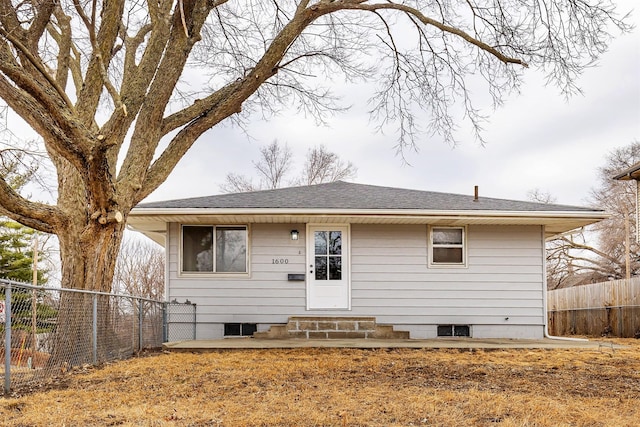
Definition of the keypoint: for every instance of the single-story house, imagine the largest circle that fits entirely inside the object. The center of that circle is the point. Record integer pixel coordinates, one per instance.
(427, 264)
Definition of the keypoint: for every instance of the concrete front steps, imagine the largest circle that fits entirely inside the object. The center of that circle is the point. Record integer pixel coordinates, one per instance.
(304, 327)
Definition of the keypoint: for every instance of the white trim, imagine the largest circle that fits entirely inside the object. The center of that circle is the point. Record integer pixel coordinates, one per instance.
(637, 211)
(167, 273)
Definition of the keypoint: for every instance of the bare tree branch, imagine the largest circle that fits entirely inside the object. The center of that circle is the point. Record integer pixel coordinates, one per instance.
(599, 252)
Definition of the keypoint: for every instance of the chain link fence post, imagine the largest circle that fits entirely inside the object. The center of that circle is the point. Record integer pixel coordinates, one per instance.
(94, 326)
(7, 338)
(140, 318)
(165, 323)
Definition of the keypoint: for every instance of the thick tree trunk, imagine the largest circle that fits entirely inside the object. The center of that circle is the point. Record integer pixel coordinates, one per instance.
(89, 246)
(88, 263)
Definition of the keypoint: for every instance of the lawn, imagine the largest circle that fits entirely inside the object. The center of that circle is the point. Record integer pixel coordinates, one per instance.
(346, 387)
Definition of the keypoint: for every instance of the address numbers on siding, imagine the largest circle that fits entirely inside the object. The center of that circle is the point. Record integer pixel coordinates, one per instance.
(279, 260)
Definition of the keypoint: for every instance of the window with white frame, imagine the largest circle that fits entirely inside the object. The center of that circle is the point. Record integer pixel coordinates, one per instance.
(214, 249)
(447, 246)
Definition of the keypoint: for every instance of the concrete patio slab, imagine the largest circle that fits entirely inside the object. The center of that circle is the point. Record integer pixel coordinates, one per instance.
(462, 343)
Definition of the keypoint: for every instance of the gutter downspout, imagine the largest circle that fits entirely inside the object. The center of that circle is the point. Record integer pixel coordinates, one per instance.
(544, 297)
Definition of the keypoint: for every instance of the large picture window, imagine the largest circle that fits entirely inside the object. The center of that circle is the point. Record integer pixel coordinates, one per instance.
(214, 249)
(447, 246)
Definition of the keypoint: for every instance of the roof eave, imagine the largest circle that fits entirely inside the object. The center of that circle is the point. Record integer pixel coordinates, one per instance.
(152, 222)
(632, 173)
(150, 212)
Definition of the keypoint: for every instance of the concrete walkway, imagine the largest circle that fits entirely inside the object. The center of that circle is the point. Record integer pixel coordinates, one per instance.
(469, 343)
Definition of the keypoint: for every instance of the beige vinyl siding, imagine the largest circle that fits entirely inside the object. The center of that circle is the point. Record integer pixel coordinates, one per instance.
(503, 279)
(262, 296)
(499, 291)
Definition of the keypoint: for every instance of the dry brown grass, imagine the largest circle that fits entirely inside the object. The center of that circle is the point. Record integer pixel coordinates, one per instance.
(345, 387)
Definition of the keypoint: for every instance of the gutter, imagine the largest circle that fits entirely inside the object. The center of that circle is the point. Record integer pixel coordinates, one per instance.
(588, 214)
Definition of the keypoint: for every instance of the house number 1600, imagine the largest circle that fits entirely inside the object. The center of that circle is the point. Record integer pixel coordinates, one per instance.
(279, 261)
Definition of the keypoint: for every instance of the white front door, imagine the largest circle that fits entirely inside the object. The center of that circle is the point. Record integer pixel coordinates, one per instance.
(328, 268)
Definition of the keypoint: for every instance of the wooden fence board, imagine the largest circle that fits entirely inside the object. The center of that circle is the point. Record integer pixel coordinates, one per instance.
(607, 308)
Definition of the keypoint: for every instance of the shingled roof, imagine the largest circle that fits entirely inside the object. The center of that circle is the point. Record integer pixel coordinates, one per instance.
(341, 195)
(348, 203)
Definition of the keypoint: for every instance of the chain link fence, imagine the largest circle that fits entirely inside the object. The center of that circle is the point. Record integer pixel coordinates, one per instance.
(180, 321)
(49, 331)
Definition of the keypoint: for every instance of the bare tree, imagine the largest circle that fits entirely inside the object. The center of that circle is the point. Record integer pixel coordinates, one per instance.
(275, 165)
(540, 196)
(619, 199)
(235, 183)
(573, 259)
(600, 251)
(324, 166)
(140, 269)
(102, 83)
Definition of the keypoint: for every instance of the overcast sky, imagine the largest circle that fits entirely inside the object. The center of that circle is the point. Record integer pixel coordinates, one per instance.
(537, 139)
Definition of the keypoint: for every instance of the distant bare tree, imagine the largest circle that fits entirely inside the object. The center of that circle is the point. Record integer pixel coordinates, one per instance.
(140, 269)
(275, 165)
(324, 166)
(540, 196)
(599, 252)
(235, 183)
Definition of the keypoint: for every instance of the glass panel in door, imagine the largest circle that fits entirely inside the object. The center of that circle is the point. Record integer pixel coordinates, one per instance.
(328, 255)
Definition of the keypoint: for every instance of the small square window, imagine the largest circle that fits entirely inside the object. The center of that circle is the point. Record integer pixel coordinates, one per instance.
(232, 329)
(447, 246)
(248, 329)
(445, 331)
(461, 331)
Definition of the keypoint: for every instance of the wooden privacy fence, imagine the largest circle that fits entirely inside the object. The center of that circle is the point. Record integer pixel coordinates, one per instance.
(608, 308)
